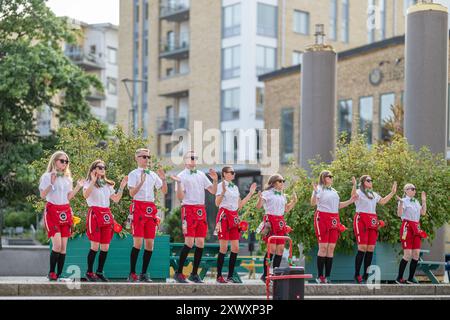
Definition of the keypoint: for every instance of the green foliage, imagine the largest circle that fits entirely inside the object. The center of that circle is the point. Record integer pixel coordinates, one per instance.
(172, 225)
(385, 163)
(14, 218)
(85, 143)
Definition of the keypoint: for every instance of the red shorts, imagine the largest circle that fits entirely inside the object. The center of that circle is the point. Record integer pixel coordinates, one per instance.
(410, 235)
(277, 228)
(195, 217)
(58, 219)
(365, 227)
(229, 222)
(145, 219)
(326, 226)
(99, 225)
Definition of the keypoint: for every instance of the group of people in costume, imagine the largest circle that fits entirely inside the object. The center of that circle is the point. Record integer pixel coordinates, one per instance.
(56, 187)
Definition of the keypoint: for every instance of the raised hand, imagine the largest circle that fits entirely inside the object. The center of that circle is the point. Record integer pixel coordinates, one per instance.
(175, 178)
(424, 197)
(354, 181)
(394, 187)
(213, 174)
(224, 188)
(315, 187)
(161, 173)
(124, 182)
(253, 188)
(93, 176)
(354, 197)
(399, 199)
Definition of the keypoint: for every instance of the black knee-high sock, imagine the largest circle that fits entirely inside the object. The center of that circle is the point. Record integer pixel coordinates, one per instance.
(60, 263)
(183, 255)
(233, 257)
(320, 265)
(267, 262)
(101, 261)
(402, 268)
(358, 262)
(412, 269)
(54, 256)
(328, 266)
(277, 261)
(133, 259)
(197, 258)
(90, 260)
(146, 260)
(367, 263)
(220, 260)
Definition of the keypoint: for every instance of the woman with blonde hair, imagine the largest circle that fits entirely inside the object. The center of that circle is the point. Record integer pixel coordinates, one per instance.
(411, 235)
(327, 224)
(275, 206)
(56, 187)
(97, 191)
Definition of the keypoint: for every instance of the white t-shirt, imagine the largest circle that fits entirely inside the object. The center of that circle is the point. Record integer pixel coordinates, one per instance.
(194, 186)
(61, 188)
(274, 203)
(230, 200)
(411, 209)
(99, 197)
(365, 204)
(327, 200)
(152, 181)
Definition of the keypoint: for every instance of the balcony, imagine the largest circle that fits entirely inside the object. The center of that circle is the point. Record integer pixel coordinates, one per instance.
(88, 62)
(96, 95)
(166, 125)
(174, 10)
(176, 47)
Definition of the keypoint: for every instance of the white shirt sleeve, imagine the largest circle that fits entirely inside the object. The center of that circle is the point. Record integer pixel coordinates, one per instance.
(206, 182)
(219, 189)
(377, 197)
(45, 181)
(158, 181)
(132, 180)
(264, 195)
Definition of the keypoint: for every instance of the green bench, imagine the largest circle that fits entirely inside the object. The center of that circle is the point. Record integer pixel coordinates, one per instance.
(428, 267)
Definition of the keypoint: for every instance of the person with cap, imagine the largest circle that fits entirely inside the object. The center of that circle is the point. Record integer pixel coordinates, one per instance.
(98, 190)
(228, 224)
(143, 218)
(411, 235)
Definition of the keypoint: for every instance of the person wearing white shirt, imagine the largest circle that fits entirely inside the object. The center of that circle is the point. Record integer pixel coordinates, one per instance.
(142, 183)
(97, 191)
(190, 188)
(411, 235)
(227, 222)
(327, 224)
(275, 206)
(55, 186)
(365, 222)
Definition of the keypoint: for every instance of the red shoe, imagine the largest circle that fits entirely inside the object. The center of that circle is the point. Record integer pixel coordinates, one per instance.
(91, 277)
(220, 279)
(358, 279)
(400, 281)
(321, 280)
(52, 276)
(133, 277)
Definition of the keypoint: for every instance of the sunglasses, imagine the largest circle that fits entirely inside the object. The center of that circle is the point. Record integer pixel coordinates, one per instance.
(281, 181)
(144, 157)
(63, 161)
(412, 189)
(331, 177)
(369, 180)
(101, 167)
(194, 158)
(232, 172)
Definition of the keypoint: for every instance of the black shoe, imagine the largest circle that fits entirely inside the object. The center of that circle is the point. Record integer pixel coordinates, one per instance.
(91, 277)
(180, 278)
(143, 277)
(101, 277)
(232, 280)
(195, 278)
(412, 281)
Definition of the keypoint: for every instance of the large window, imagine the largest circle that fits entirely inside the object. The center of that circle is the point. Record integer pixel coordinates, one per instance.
(333, 20)
(259, 104)
(111, 85)
(382, 8)
(297, 58)
(267, 20)
(265, 59)
(371, 21)
(287, 134)
(230, 104)
(231, 62)
(231, 21)
(112, 55)
(386, 115)
(111, 115)
(301, 22)
(345, 117)
(366, 117)
(345, 21)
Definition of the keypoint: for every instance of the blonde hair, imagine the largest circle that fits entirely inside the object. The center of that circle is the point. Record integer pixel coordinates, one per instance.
(322, 176)
(273, 178)
(142, 150)
(52, 163)
(406, 187)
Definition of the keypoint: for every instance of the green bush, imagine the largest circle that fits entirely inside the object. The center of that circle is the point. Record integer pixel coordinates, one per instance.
(385, 163)
(84, 144)
(172, 225)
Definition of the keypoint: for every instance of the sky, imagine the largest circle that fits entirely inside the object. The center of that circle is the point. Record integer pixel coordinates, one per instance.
(89, 11)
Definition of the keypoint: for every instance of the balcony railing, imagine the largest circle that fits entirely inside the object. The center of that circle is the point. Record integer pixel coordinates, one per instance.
(174, 10)
(87, 61)
(166, 125)
(176, 47)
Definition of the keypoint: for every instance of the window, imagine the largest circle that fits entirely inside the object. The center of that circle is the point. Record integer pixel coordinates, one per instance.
(267, 20)
(230, 104)
(287, 134)
(111, 85)
(231, 63)
(92, 49)
(382, 8)
(371, 20)
(297, 58)
(112, 55)
(146, 10)
(111, 115)
(386, 101)
(366, 117)
(345, 21)
(265, 59)
(259, 104)
(301, 22)
(333, 20)
(345, 118)
(231, 21)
